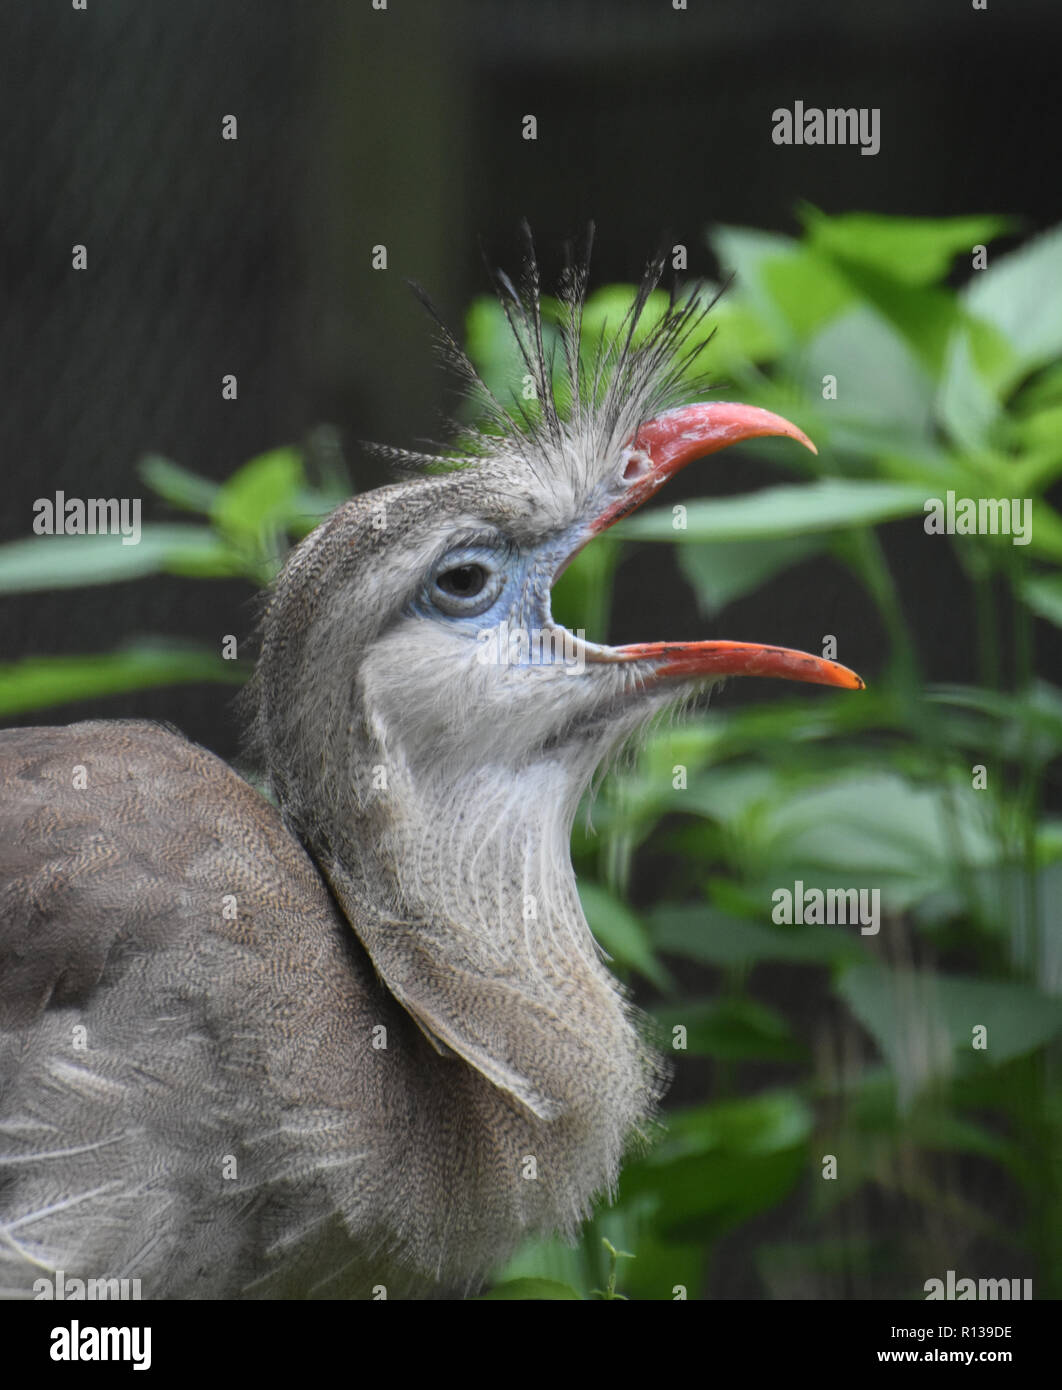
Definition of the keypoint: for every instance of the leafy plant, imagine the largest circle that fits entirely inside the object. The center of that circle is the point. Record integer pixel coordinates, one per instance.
(249, 521)
(812, 1046)
(939, 389)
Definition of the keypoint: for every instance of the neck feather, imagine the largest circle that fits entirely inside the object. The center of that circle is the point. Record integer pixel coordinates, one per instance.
(465, 898)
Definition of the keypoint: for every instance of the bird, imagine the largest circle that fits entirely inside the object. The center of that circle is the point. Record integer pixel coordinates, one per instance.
(354, 1038)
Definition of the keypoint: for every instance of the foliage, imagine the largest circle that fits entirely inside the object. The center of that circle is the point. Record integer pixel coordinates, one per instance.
(941, 389)
(809, 1040)
(249, 521)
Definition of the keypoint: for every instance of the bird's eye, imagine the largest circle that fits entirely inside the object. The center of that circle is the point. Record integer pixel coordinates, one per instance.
(466, 581)
(464, 590)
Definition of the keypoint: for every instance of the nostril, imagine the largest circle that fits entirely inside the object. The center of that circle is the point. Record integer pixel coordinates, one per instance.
(638, 465)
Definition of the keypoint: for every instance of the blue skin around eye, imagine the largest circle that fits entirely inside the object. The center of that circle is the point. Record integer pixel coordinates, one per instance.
(524, 596)
(509, 563)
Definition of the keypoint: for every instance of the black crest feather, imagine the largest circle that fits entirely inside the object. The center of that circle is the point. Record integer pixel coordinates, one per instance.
(586, 403)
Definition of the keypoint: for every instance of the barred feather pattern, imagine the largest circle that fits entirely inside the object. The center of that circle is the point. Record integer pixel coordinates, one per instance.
(406, 1039)
(437, 794)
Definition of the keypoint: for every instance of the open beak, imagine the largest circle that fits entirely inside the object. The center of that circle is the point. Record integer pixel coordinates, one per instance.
(656, 453)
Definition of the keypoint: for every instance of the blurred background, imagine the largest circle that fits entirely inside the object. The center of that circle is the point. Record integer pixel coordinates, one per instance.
(403, 128)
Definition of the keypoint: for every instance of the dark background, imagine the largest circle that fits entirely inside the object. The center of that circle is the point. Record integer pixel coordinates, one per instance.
(403, 127)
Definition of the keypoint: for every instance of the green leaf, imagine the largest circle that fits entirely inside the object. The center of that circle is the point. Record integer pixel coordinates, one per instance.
(550, 1289)
(923, 1023)
(966, 406)
(742, 335)
(763, 1124)
(261, 497)
(41, 682)
(876, 830)
(620, 932)
(1021, 725)
(881, 383)
(744, 252)
(179, 486)
(1043, 594)
(490, 344)
(937, 1130)
(913, 250)
(1045, 531)
(488, 338)
(313, 505)
(582, 597)
(551, 1259)
(606, 309)
(727, 570)
(993, 354)
(1040, 434)
(806, 289)
(714, 938)
(1021, 296)
(735, 1029)
(780, 512)
(66, 562)
(721, 1163)
(1042, 391)
(924, 317)
(705, 1196)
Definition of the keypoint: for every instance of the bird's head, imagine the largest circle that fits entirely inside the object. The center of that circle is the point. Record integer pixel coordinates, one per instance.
(412, 632)
(429, 728)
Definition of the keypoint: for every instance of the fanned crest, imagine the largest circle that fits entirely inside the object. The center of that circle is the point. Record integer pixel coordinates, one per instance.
(586, 401)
